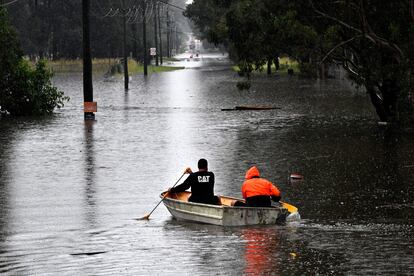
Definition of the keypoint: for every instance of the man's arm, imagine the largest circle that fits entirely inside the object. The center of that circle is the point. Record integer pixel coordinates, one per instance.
(274, 192)
(183, 186)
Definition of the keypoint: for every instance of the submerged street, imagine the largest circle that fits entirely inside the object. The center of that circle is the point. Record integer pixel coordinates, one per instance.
(70, 189)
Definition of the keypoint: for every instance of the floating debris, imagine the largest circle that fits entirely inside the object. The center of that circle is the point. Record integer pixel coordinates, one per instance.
(250, 107)
(88, 253)
(296, 176)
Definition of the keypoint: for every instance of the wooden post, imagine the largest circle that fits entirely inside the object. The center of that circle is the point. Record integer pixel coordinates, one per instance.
(126, 75)
(156, 33)
(269, 66)
(144, 36)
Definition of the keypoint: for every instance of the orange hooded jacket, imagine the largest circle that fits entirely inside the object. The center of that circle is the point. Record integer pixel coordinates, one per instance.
(256, 186)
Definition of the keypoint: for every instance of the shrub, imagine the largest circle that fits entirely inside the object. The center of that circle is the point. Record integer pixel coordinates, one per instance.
(24, 90)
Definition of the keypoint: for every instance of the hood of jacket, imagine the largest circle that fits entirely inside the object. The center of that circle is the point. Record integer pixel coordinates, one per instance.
(252, 172)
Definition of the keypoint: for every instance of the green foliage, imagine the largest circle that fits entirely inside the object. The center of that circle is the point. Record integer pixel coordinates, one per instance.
(209, 17)
(30, 91)
(372, 40)
(10, 52)
(24, 90)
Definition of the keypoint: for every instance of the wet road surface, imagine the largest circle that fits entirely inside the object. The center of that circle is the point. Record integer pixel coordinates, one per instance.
(70, 190)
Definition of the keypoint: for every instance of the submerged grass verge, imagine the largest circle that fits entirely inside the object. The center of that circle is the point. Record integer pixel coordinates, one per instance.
(104, 65)
(285, 63)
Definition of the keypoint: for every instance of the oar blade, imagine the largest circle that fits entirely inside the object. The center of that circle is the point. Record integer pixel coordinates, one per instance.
(146, 217)
(289, 207)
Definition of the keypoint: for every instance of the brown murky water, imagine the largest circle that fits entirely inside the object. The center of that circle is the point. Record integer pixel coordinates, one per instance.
(69, 191)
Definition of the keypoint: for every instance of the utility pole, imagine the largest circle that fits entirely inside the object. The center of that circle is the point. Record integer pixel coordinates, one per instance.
(89, 106)
(144, 35)
(168, 33)
(172, 35)
(126, 75)
(156, 33)
(159, 31)
(176, 40)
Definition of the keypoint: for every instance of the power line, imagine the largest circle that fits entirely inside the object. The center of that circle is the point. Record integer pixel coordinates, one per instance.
(172, 5)
(8, 3)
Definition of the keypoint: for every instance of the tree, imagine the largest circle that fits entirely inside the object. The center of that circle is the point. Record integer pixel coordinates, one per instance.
(256, 32)
(24, 91)
(371, 39)
(50, 28)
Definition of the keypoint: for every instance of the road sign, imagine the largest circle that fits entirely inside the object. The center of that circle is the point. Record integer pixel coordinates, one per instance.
(153, 51)
(90, 107)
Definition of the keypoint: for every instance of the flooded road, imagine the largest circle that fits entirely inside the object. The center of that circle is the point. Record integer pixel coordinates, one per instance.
(70, 190)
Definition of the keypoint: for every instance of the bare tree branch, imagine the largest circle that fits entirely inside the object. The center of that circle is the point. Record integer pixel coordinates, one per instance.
(334, 19)
(337, 46)
(8, 3)
(370, 35)
(352, 71)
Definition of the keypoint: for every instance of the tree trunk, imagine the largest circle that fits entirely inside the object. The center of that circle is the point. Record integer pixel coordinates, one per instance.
(377, 102)
(276, 62)
(322, 71)
(269, 66)
(135, 40)
(390, 91)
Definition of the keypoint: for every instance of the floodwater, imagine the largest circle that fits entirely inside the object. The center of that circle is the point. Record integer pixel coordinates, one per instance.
(70, 190)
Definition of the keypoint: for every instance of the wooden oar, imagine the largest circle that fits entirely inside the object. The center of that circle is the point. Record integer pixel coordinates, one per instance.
(148, 215)
(289, 207)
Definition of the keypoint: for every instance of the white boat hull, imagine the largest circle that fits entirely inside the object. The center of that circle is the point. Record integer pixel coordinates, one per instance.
(224, 215)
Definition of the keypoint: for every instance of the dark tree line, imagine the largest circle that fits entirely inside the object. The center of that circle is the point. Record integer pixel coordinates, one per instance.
(53, 28)
(373, 40)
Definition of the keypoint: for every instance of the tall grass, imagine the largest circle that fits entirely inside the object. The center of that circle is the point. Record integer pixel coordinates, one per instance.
(103, 65)
(285, 63)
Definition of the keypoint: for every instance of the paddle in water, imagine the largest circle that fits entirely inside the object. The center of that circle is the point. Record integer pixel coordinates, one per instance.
(146, 217)
(289, 207)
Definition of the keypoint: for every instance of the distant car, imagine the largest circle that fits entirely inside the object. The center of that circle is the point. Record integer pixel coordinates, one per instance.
(191, 56)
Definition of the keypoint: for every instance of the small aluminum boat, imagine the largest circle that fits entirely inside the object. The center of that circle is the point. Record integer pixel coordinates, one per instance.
(225, 214)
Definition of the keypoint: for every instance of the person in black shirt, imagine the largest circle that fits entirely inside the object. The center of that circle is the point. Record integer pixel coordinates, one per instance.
(201, 183)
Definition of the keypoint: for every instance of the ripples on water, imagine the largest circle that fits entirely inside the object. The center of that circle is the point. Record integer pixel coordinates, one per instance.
(70, 190)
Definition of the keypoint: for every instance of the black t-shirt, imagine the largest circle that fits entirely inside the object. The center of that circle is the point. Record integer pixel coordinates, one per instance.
(202, 187)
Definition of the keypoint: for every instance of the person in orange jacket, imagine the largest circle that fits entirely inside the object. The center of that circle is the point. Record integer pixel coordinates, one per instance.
(258, 191)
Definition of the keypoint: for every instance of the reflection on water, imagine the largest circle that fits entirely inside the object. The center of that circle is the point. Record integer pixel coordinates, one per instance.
(69, 189)
(90, 177)
(6, 147)
(262, 247)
